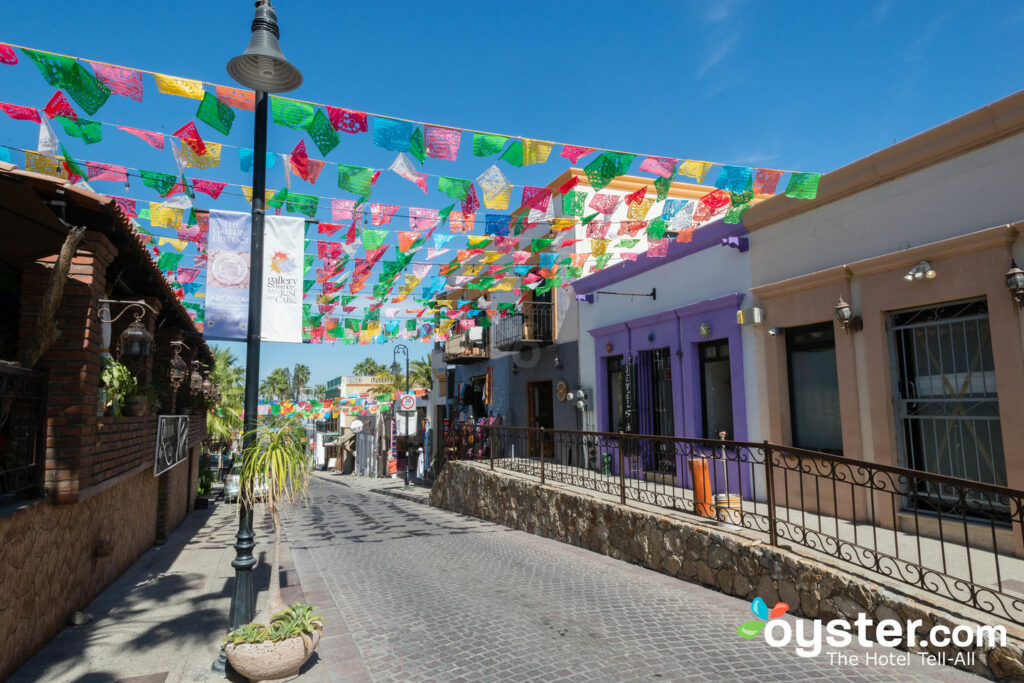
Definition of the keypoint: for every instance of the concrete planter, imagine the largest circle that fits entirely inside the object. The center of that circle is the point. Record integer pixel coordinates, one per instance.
(271, 661)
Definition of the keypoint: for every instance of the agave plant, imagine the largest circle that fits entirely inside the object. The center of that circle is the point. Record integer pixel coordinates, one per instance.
(275, 469)
(248, 633)
(300, 617)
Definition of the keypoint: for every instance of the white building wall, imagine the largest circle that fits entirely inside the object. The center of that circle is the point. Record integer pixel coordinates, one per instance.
(974, 191)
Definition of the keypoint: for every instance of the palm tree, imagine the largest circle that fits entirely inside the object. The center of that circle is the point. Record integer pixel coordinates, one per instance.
(319, 391)
(277, 386)
(224, 419)
(276, 469)
(420, 377)
(368, 367)
(300, 376)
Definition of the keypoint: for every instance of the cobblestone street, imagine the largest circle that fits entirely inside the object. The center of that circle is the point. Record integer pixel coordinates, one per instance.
(415, 593)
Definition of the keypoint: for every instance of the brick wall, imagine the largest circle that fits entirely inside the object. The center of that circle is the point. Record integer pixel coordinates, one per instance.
(58, 558)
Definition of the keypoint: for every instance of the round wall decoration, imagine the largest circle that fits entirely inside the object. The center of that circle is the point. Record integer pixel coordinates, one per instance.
(561, 390)
(704, 330)
(608, 347)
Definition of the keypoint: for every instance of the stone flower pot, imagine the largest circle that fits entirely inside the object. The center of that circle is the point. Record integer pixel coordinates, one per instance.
(270, 661)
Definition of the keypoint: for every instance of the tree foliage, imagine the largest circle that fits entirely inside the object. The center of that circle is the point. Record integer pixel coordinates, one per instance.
(368, 367)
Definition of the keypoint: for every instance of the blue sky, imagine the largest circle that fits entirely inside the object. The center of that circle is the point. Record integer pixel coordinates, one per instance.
(806, 86)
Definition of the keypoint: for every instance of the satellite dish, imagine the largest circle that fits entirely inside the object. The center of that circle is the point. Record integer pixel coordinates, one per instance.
(356, 426)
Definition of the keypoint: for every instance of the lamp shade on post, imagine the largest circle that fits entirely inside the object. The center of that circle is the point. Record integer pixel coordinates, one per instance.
(263, 66)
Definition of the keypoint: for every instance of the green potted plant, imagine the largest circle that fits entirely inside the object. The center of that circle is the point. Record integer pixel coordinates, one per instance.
(204, 490)
(275, 470)
(118, 383)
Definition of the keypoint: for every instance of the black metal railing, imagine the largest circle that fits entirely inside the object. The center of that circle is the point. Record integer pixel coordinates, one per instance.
(22, 436)
(462, 347)
(952, 537)
(532, 326)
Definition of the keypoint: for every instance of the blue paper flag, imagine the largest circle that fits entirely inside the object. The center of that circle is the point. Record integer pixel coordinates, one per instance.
(392, 134)
(245, 159)
(497, 224)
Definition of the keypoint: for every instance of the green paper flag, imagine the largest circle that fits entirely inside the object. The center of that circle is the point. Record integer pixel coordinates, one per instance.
(602, 261)
(514, 154)
(656, 229)
(417, 147)
(607, 167)
(518, 227)
(291, 113)
(355, 179)
(662, 186)
(73, 165)
(540, 244)
(198, 309)
(456, 188)
(410, 325)
(65, 72)
(303, 203)
(485, 144)
(279, 199)
(574, 272)
(322, 133)
(163, 183)
(380, 290)
(192, 218)
(803, 185)
(168, 261)
(216, 114)
(573, 203)
(442, 215)
(307, 285)
(372, 239)
(89, 131)
(589, 218)
(308, 264)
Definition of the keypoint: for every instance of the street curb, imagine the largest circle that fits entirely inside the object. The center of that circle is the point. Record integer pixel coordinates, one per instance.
(422, 500)
(333, 480)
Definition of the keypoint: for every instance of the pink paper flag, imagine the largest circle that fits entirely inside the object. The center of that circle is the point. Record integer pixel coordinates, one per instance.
(200, 261)
(637, 196)
(300, 160)
(658, 248)
(187, 274)
(604, 202)
(569, 184)
(59, 106)
(442, 143)
(380, 214)
(210, 187)
(154, 139)
(662, 166)
(422, 219)
(574, 154)
(8, 55)
(433, 253)
(126, 205)
(98, 171)
(404, 168)
(343, 209)
(470, 204)
(347, 120)
(521, 257)
(20, 113)
(536, 198)
(766, 180)
(123, 81)
(190, 136)
(328, 228)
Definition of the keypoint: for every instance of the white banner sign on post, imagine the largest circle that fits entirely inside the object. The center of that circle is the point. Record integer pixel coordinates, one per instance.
(283, 265)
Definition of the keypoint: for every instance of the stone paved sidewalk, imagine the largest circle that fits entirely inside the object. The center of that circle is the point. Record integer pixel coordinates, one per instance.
(164, 618)
(416, 491)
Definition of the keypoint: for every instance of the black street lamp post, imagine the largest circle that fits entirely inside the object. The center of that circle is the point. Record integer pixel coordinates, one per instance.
(263, 68)
(400, 350)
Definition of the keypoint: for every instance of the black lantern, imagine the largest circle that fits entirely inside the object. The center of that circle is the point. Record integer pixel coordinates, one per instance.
(195, 382)
(178, 367)
(845, 317)
(207, 387)
(1015, 283)
(136, 342)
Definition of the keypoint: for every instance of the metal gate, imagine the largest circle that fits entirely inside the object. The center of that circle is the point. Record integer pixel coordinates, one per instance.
(944, 394)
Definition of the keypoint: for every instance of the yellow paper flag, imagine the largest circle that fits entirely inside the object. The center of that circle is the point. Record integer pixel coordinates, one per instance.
(179, 245)
(37, 163)
(208, 159)
(638, 210)
(183, 87)
(695, 169)
(561, 224)
(598, 247)
(535, 152)
(163, 216)
(491, 256)
(498, 201)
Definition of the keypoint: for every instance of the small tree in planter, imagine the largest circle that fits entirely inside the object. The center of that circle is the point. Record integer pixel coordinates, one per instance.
(275, 470)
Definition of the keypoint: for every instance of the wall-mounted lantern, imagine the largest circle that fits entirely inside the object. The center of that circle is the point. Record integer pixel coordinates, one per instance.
(135, 343)
(1015, 283)
(922, 271)
(845, 317)
(178, 367)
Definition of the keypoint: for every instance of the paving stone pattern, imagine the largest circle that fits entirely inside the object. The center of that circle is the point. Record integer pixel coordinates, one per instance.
(416, 593)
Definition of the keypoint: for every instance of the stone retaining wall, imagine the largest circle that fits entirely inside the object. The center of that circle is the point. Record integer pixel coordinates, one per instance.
(705, 553)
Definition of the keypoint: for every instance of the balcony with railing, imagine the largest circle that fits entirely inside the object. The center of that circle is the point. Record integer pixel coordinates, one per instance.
(468, 347)
(531, 327)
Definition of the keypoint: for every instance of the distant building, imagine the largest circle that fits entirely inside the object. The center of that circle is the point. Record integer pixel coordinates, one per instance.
(345, 385)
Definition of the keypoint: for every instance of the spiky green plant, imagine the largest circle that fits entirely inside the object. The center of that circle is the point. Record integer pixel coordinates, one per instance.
(275, 470)
(248, 633)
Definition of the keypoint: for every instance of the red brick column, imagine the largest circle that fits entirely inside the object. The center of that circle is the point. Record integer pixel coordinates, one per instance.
(72, 363)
